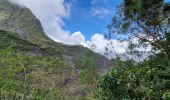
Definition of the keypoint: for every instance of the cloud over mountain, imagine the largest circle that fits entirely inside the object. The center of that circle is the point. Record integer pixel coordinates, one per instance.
(51, 14)
(113, 46)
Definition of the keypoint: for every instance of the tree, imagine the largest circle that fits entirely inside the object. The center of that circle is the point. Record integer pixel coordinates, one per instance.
(149, 80)
(147, 20)
(89, 72)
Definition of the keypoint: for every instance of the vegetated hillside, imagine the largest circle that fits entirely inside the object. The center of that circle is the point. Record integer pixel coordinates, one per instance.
(33, 66)
(30, 72)
(22, 23)
(20, 20)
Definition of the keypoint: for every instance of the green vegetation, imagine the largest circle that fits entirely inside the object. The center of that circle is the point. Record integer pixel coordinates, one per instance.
(21, 21)
(28, 71)
(31, 71)
(34, 67)
(25, 73)
(51, 69)
(3, 16)
(89, 72)
(150, 78)
(26, 77)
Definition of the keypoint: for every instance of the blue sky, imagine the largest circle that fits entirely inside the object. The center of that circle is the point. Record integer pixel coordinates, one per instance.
(167, 0)
(72, 21)
(82, 17)
(77, 22)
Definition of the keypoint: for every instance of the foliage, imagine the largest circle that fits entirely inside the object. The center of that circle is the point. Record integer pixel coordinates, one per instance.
(145, 20)
(26, 76)
(32, 66)
(48, 73)
(89, 74)
(21, 21)
(89, 70)
(149, 79)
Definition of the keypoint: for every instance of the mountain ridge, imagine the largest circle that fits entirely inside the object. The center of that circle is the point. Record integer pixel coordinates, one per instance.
(31, 29)
(22, 32)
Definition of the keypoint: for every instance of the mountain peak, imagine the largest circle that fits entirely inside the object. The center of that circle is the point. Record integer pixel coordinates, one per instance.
(20, 20)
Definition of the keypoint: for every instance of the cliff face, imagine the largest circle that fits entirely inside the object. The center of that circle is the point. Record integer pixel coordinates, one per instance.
(22, 31)
(20, 20)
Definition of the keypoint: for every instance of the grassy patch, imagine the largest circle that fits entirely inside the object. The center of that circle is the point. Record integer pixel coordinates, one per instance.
(3, 16)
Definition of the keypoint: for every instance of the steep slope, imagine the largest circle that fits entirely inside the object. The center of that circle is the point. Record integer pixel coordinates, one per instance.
(22, 37)
(20, 20)
(28, 71)
(25, 25)
(47, 72)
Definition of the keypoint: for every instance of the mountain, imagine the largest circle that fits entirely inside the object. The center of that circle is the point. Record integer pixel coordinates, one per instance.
(20, 20)
(23, 24)
(26, 51)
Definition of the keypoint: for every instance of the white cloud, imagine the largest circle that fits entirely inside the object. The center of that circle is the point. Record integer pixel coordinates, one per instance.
(114, 46)
(51, 14)
(95, 2)
(99, 8)
(99, 41)
(99, 12)
(117, 48)
(77, 38)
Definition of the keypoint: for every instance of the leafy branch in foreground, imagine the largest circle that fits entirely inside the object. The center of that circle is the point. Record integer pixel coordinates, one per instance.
(148, 21)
